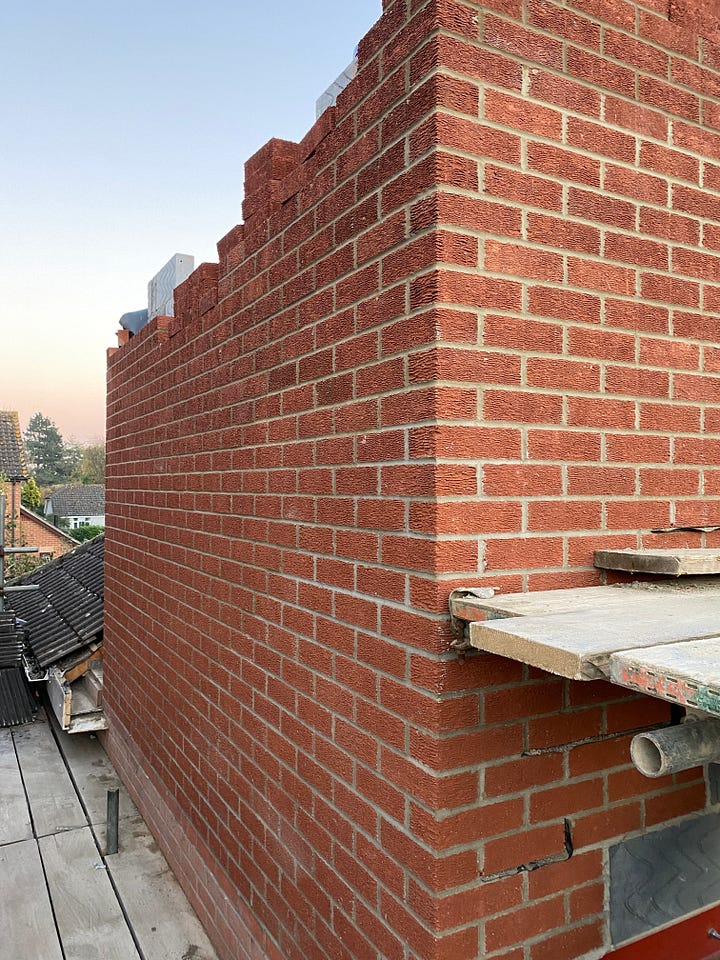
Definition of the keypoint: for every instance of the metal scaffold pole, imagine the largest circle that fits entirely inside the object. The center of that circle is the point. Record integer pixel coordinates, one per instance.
(3, 553)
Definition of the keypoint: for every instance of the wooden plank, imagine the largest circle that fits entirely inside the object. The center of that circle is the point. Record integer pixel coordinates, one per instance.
(536, 604)
(15, 821)
(164, 923)
(54, 805)
(94, 775)
(576, 599)
(79, 669)
(27, 928)
(673, 563)
(89, 918)
(161, 916)
(686, 673)
(579, 644)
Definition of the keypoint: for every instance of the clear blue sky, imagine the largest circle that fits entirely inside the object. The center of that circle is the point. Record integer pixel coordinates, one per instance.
(125, 130)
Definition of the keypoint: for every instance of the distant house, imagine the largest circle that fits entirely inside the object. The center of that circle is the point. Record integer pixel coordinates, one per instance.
(49, 539)
(79, 504)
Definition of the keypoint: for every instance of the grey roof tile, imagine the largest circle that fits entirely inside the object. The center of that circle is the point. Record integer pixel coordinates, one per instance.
(78, 500)
(66, 613)
(12, 452)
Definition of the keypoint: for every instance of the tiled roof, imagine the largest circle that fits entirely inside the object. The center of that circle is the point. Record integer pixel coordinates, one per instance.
(12, 453)
(78, 500)
(66, 613)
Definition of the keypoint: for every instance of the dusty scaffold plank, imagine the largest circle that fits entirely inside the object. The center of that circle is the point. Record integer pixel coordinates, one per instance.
(94, 775)
(14, 813)
(578, 645)
(673, 563)
(27, 930)
(164, 923)
(687, 673)
(541, 602)
(91, 923)
(468, 607)
(53, 802)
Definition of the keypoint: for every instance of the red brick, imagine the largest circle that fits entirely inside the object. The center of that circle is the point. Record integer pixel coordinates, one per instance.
(606, 824)
(569, 944)
(596, 275)
(518, 113)
(567, 94)
(558, 444)
(523, 847)
(637, 382)
(598, 412)
(601, 72)
(521, 407)
(564, 164)
(558, 730)
(637, 316)
(560, 802)
(564, 23)
(520, 187)
(515, 776)
(526, 701)
(564, 304)
(678, 803)
(465, 827)
(563, 232)
(523, 553)
(524, 924)
(566, 874)
(524, 43)
(521, 480)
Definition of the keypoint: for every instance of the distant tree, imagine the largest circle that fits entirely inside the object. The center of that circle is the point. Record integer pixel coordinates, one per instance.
(91, 468)
(46, 451)
(72, 457)
(86, 533)
(31, 496)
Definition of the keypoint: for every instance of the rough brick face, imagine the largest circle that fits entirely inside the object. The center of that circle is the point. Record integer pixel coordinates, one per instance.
(465, 333)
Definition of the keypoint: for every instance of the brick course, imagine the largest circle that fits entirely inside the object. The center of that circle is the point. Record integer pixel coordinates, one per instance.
(465, 333)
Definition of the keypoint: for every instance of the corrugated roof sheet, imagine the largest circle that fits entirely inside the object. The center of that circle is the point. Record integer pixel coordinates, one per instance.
(66, 613)
(78, 500)
(17, 704)
(12, 452)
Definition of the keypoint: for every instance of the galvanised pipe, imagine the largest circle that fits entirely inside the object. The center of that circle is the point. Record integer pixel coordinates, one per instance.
(672, 749)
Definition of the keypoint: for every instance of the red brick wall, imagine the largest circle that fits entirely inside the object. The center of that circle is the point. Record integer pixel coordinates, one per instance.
(465, 333)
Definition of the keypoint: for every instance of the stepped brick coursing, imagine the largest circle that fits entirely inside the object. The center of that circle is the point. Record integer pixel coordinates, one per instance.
(466, 333)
